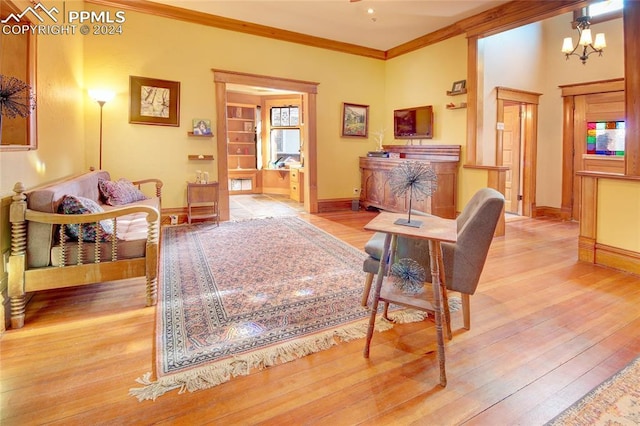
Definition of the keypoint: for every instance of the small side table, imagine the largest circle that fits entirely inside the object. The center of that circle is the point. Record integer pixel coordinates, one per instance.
(203, 199)
(435, 230)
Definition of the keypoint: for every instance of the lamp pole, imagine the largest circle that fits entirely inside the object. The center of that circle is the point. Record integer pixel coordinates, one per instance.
(102, 97)
(101, 103)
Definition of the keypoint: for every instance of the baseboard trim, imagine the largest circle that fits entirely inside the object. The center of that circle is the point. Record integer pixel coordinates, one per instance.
(165, 214)
(617, 258)
(552, 212)
(335, 204)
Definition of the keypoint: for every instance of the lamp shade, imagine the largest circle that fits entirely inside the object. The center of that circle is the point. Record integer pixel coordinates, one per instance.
(585, 37)
(101, 95)
(567, 45)
(600, 42)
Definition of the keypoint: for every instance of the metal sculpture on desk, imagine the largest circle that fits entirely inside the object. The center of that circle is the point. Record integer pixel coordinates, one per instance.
(409, 276)
(417, 178)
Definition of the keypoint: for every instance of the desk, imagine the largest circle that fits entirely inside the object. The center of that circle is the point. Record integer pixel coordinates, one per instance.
(433, 228)
(204, 198)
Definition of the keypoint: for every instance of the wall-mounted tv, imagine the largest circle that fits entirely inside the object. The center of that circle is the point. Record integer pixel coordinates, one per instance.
(413, 123)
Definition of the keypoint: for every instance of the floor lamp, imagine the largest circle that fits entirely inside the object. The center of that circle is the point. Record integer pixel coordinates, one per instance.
(102, 97)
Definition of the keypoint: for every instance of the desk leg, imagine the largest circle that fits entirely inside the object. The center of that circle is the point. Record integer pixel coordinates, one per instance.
(445, 297)
(434, 253)
(382, 269)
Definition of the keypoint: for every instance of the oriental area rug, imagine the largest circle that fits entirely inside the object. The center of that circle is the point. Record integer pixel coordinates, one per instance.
(616, 401)
(246, 295)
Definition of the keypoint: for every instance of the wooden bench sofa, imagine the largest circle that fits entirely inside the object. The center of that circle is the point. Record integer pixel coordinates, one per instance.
(44, 256)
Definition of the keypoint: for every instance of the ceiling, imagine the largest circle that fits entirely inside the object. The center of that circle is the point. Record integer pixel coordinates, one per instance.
(393, 22)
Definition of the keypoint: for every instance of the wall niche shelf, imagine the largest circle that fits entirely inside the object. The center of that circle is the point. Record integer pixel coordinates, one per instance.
(199, 136)
(461, 105)
(461, 92)
(201, 157)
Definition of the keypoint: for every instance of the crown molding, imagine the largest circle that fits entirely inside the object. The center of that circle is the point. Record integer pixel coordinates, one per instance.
(500, 18)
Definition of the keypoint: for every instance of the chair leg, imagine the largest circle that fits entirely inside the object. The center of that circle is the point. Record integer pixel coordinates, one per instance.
(466, 314)
(367, 288)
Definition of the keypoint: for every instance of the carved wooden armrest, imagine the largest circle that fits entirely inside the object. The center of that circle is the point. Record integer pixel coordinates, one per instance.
(91, 218)
(157, 182)
(72, 219)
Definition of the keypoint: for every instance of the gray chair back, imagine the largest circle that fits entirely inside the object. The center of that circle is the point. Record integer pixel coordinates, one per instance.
(464, 260)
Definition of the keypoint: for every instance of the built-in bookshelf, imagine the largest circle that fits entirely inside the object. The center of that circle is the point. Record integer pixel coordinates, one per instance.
(241, 146)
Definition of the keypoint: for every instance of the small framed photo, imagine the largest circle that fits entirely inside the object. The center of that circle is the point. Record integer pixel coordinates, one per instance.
(459, 86)
(355, 120)
(154, 101)
(248, 126)
(201, 126)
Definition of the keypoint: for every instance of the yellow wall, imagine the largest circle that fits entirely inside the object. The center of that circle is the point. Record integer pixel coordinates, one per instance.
(178, 51)
(60, 116)
(69, 65)
(618, 214)
(423, 77)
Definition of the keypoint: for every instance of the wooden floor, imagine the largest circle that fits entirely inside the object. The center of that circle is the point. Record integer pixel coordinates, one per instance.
(545, 330)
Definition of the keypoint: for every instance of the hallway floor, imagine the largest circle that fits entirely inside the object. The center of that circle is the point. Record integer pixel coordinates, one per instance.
(253, 206)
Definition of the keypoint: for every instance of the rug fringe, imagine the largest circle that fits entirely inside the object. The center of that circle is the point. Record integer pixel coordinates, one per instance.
(207, 377)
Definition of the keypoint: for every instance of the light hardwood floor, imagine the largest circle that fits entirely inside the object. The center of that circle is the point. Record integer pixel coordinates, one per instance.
(545, 330)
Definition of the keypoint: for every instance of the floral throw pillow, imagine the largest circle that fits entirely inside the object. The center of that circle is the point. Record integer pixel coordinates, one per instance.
(119, 192)
(72, 204)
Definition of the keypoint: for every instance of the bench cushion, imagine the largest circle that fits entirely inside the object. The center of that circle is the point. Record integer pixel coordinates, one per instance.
(131, 231)
(41, 237)
(119, 192)
(47, 199)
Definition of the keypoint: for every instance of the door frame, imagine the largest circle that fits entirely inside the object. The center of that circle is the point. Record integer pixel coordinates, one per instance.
(309, 89)
(569, 210)
(529, 148)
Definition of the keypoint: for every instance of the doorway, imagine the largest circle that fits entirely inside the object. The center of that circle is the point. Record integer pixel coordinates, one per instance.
(512, 158)
(309, 92)
(516, 147)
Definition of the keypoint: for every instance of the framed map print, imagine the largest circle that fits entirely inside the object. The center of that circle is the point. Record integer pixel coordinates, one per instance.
(154, 101)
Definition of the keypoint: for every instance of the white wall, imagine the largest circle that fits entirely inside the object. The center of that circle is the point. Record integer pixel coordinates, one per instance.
(529, 58)
(510, 59)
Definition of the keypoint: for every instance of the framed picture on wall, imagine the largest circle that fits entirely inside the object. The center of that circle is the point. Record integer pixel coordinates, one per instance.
(355, 120)
(154, 101)
(201, 126)
(459, 86)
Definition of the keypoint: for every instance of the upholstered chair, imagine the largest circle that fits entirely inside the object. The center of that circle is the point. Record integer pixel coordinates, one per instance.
(463, 260)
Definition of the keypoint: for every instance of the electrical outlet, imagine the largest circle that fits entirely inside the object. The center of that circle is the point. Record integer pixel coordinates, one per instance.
(356, 191)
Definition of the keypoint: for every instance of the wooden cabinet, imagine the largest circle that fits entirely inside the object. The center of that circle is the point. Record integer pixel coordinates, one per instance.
(202, 201)
(241, 136)
(375, 173)
(296, 182)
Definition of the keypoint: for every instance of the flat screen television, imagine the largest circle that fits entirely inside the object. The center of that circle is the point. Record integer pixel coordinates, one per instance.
(413, 123)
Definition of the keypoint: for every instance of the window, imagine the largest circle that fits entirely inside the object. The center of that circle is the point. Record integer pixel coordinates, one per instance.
(604, 7)
(284, 135)
(600, 11)
(285, 145)
(605, 137)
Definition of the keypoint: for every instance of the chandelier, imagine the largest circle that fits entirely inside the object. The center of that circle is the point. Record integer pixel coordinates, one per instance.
(586, 45)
